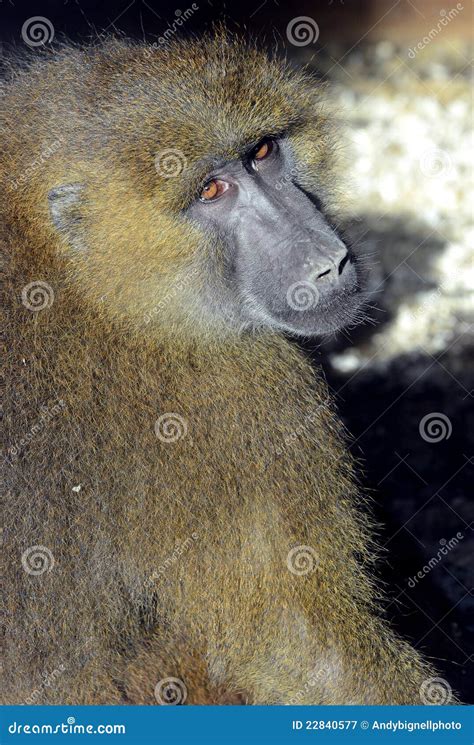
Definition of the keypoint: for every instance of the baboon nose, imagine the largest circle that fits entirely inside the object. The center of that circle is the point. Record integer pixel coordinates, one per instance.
(329, 268)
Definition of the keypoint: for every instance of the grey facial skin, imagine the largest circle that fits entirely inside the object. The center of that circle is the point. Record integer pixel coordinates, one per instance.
(291, 269)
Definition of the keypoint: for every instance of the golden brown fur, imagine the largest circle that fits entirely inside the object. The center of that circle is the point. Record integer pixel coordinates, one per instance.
(262, 468)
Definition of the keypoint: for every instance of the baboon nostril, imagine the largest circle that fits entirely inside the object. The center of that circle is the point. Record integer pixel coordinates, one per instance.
(343, 262)
(323, 274)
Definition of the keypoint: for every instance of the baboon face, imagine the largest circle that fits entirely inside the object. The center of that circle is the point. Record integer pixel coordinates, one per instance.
(289, 267)
(205, 202)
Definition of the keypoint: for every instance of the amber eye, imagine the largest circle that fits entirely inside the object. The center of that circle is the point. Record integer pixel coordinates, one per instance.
(263, 150)
(212, 190)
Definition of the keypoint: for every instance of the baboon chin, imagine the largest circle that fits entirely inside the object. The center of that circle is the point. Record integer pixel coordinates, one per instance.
(182, 504)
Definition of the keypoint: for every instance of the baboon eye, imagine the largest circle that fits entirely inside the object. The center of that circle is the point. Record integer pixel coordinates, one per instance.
(212, 190)
(263, 150)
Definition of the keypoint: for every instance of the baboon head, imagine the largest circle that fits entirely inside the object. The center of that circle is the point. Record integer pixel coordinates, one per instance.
(202, 175)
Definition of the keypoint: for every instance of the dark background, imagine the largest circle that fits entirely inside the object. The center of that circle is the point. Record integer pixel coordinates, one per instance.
(421, 492)
(353, 21)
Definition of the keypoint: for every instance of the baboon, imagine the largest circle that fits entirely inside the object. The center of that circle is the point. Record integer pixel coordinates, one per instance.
(184, 522)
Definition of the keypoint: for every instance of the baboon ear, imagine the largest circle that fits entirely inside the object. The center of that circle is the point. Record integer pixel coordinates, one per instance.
(65, 208)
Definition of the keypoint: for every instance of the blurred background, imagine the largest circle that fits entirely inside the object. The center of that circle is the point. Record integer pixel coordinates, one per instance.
(400, 85)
